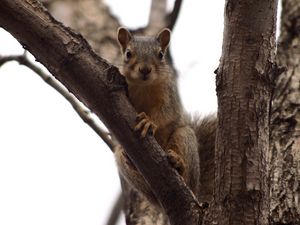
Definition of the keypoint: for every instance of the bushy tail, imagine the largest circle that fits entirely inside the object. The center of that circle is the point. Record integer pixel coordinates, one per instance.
(205, 129)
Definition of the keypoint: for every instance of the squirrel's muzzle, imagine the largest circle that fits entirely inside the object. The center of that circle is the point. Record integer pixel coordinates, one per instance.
(145, 72)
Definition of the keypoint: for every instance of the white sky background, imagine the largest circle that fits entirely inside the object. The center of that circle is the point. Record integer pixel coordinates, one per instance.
(53, 168)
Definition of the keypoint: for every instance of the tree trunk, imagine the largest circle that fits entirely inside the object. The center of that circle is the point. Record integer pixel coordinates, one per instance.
(285, 132)
(241, 194)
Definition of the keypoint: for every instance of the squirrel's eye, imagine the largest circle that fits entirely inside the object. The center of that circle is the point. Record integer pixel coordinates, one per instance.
(128, 54)
(161, 55)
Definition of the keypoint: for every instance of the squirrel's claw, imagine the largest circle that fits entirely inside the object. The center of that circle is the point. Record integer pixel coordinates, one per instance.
(176, 161)
(145, 125)
(141, 116)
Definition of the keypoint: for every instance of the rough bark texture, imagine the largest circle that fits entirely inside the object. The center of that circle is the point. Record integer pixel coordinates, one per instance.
(99, 27)
(243, 86)
(92, 18)
(99, 85)
(241, 194)
(138, 211)
(285, 132)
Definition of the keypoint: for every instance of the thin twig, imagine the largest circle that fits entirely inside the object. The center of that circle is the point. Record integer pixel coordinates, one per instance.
(116, 210)
(84, 113)
(172, 17)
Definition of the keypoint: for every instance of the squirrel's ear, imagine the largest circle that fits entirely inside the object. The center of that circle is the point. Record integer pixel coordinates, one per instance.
(163, 38)
(124, 37)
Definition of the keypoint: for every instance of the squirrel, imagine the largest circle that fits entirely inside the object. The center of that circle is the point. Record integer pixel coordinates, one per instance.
(152, 90)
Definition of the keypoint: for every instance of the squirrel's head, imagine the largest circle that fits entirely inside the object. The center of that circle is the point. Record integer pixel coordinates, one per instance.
(144, 57)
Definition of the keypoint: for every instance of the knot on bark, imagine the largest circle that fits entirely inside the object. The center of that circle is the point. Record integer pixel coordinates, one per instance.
(115, 81)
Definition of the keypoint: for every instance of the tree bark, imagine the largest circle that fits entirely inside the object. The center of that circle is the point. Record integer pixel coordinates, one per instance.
(157, 16)
(241, 194)
(99, 27)
(92, 18)
(244, 91)
(100, 86)
(285, 132)
(138, 211)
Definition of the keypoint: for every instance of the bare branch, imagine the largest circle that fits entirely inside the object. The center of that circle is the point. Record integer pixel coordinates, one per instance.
(173, 16)
(157, 18)
(82, 111)
(98, 26)
(116, 210)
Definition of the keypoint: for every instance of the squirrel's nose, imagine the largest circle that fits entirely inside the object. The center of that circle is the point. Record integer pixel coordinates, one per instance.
(145, 72)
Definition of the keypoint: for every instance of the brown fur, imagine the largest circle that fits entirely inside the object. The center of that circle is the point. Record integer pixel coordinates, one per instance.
(155, 97)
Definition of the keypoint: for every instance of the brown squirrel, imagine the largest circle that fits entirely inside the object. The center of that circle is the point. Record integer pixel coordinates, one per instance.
(152, 90)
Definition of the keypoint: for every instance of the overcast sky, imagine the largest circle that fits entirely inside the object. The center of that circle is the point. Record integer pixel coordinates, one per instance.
(53, 168)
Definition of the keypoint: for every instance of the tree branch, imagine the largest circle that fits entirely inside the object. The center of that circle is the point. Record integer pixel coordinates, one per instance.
(98, 26)
(116, 210)
(173, 16)
(82, 111)
(157, 17)
(100, 86)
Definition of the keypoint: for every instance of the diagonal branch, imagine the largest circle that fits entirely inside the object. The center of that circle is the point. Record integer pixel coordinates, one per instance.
(116, 210)
(93, 19)
(82, 111)
(100, 86)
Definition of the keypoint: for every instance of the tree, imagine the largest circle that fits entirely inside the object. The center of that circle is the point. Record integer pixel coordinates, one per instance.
(244, 96)
(285, 145)
(247, 70)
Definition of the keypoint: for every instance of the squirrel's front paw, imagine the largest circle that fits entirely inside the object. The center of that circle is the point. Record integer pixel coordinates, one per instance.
(176, 161)
(145, 125)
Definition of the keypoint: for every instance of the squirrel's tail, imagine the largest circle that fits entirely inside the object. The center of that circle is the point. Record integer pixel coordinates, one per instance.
(205, 129)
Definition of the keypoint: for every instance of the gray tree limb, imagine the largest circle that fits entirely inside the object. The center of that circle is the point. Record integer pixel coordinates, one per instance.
(157, 18)
(116, 210)
(173, 16)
